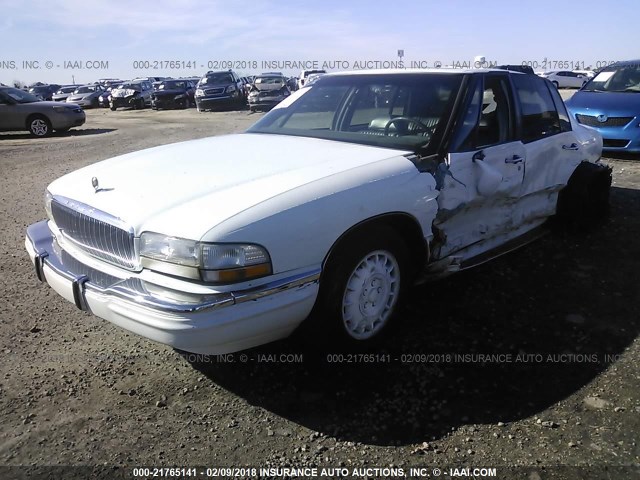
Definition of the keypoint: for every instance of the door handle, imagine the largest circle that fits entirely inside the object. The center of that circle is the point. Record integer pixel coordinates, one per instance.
(573, 146)
(514, 159)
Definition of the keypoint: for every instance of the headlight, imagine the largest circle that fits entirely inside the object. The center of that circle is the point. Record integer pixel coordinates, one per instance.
(253, 94)
(61, 109)
(230, 88)
(48, 198)
(199, 92)
(211, 262)
(169, 249)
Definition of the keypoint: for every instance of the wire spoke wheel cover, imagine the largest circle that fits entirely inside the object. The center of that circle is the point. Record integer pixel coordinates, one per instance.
(370, 295)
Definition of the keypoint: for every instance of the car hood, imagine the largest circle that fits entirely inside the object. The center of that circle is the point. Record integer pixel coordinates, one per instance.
(79, 96)
(204, 86)
(605, 102)
(185, 189)
(173, 92)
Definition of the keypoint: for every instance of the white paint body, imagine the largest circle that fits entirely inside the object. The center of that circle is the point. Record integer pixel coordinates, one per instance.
(296, 196)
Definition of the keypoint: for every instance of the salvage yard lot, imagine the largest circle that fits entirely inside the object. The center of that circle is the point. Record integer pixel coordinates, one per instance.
(529, 360)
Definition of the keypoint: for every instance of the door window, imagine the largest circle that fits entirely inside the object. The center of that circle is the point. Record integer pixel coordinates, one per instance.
(563, 116)
(488, 120)
(539, 117)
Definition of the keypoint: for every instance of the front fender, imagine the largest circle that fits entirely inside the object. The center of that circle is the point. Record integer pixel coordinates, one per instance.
(300, 232)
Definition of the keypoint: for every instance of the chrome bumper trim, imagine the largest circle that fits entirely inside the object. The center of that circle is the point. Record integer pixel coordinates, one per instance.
(133, 289)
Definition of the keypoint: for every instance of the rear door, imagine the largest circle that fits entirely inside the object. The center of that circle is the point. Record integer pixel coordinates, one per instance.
(13, 116)
(485, 170)
(552, 148)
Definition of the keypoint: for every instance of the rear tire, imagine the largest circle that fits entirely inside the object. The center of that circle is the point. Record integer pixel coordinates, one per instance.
(584, 202)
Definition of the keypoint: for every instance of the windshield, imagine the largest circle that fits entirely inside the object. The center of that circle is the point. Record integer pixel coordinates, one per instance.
(85, 90)
(222, 77)
(624, 78)
(273, 82)
(129, 86)
(173, 86)
(66, 90)
(401, 111)
(20, 96)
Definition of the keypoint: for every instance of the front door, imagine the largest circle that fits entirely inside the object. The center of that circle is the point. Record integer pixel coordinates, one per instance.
(482, 180)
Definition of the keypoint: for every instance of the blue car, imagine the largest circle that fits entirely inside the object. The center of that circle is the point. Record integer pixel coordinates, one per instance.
(610, 103)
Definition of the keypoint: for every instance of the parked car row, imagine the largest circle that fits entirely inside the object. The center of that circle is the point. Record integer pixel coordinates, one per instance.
(567, 79)
(607, 101)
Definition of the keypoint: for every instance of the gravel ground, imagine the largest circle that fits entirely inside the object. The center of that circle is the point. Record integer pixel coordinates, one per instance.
(528, 364)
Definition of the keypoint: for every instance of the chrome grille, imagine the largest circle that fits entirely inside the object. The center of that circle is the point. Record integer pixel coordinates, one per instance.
(592, 121)
(95, 236)
(214, 91)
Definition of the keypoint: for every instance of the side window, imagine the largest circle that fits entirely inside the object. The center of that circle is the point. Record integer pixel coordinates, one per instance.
(495, 124)
(563, 115)
(465, 135)
(489, 116)
(539, 116)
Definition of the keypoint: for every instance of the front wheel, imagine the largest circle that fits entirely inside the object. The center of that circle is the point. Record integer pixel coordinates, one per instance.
(39, 126)
(362, 286)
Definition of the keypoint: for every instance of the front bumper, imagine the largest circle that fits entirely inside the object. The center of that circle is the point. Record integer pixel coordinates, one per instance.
(130, 101)
(67, 120)
(169, 102)
(264, 102)
(211, 101)
(615, 139)
(216, 323)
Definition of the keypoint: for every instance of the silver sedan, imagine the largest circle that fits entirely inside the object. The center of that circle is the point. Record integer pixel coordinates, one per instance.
(20, 110)
(86, 95)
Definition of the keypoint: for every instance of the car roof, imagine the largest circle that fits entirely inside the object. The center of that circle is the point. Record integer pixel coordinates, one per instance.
(417, 71)
(625, 63)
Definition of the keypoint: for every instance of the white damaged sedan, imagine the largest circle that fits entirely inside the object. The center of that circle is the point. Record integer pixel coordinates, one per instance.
(328, 208)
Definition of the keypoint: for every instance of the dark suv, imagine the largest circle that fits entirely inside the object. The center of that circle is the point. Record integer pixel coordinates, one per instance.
(219, 89)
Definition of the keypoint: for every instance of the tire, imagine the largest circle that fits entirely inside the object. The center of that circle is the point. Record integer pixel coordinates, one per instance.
(361, 287)
(584, 202)
(556, 84)
(113, 108)
(39, 126)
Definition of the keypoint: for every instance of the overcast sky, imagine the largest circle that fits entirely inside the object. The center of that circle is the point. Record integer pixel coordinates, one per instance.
(208, 33)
